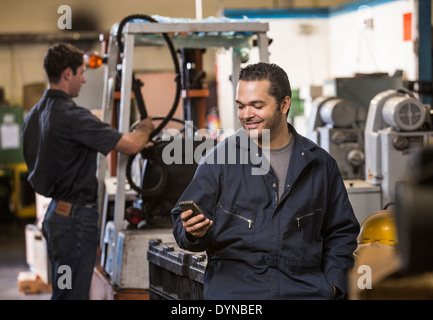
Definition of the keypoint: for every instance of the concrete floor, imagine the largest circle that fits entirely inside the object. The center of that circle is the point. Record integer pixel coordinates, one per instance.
(13, 260)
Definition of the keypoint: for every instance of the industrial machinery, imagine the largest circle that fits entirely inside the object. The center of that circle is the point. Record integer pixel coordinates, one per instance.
(361, 88)
(16, 194)
(332, 125)
(394, 259)
(338, 124)
(398, 125)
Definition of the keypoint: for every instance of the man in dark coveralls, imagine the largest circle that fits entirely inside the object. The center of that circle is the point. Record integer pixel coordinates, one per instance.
(279, 231)
(60, 142)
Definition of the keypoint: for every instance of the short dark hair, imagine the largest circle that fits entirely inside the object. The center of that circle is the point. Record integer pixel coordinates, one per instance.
(60, 57)
(280, 84)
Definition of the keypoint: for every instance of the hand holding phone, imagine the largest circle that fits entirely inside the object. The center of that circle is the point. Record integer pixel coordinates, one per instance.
(191, 205)
(196, 227)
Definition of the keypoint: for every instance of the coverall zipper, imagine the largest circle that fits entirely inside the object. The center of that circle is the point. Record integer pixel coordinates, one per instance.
(298, 219)
(239, 216)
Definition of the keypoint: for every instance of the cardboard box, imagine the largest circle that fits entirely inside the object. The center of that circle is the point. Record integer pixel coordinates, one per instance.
(30, 283)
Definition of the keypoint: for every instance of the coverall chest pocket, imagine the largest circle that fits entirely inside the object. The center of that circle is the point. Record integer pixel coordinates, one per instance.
(310, 223)
(233, 217)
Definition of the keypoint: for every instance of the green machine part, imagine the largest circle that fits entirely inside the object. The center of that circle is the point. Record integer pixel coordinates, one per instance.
(11, 145)
(15, 191)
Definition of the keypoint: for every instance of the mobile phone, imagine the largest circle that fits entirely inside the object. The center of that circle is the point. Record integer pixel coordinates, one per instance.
(191, 205)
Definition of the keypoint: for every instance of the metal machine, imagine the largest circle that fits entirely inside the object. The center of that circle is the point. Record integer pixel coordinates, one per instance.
(332, 125)
(398, 125)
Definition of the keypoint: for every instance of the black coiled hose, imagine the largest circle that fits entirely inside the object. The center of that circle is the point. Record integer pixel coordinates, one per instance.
(175, 62)
(149, 153)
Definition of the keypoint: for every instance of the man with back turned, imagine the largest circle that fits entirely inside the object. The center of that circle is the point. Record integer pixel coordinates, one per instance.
(60, 142)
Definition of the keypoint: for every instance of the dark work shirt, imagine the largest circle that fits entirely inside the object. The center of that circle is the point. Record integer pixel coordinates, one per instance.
(60, 144)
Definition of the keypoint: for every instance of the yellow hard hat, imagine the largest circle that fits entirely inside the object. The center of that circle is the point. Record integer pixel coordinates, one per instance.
(379, 227)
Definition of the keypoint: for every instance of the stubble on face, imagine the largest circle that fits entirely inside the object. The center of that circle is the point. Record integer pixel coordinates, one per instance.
(77, 81)
(258, 112)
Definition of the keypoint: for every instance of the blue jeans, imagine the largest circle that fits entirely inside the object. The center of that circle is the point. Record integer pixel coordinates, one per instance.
(71, 242)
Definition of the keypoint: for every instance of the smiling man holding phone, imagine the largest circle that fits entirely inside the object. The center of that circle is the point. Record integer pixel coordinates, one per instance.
(287, 233)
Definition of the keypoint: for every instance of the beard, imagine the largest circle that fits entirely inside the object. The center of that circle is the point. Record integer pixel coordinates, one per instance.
(260, 129)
